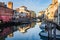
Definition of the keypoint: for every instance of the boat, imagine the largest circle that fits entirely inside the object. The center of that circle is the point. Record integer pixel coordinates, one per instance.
(45, 34)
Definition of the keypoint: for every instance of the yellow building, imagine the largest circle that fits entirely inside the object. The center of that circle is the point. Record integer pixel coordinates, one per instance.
(30, 13)
(51, 10)
(17, 9)
(54, 1)
(46, 13)
(41, 13)
(24, 10)
(33, 14)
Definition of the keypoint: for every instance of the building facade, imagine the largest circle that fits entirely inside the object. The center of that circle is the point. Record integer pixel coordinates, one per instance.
(33, 14)
(59, 13)
(51, 11)
(5, 13)
(24, 12)
(41, 13)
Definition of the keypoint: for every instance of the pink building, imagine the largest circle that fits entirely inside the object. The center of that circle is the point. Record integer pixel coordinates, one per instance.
(5, 14)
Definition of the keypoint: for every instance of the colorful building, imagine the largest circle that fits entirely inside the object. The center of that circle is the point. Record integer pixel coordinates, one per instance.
(51, 11)
(5, 13)
(58, 13)
(33, 14)
(41, 13)
(24, 11)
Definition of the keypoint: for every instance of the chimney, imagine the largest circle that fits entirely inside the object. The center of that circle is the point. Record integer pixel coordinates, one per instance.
(2, 4)
(10, 5)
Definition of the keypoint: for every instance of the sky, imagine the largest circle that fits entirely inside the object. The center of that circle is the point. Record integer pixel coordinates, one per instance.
(58, 0)
(35, 5)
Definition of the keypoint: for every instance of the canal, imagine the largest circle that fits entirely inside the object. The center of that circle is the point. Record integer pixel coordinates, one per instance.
(22, 32)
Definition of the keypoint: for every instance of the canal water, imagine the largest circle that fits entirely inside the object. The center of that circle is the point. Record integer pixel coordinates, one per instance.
(22, 32)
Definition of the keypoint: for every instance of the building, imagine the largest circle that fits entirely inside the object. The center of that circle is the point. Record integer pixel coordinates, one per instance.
(15, 16)
(54, 1)
(46, 13)
(5, 13)
(51, 11)
(41, 15)
(24, 12)
(17, 9)
(2, 4)
(33, 14)
(22, 9)
(59, 13)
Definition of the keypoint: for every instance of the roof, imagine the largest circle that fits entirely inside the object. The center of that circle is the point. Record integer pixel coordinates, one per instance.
(6, 7)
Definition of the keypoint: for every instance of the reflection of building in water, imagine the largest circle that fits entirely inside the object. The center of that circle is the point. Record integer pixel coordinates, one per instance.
(39, 23)
(26, 27)
(33, 24)
(6, 31)
(2, 38)
(10, 35)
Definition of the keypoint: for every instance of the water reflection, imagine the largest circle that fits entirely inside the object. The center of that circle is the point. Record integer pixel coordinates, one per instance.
(10, 35)
(6, 31)
(23, 28)
(9, 32)
(22, 32)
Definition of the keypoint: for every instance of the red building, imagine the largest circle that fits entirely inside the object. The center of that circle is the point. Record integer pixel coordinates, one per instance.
(5, 13)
